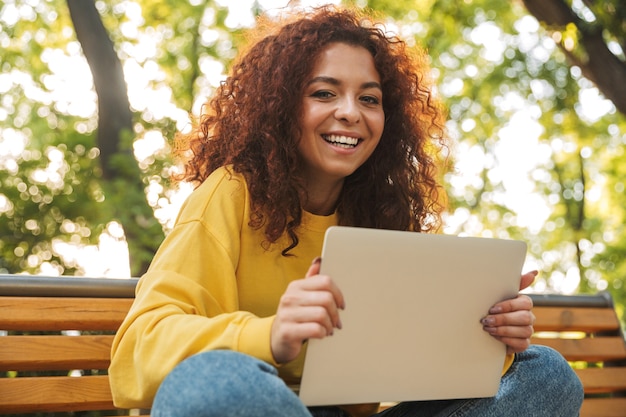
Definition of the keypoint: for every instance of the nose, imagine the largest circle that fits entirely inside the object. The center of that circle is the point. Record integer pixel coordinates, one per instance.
(348, 110)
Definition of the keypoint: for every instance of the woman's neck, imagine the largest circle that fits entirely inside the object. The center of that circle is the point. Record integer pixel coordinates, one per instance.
(322, 198)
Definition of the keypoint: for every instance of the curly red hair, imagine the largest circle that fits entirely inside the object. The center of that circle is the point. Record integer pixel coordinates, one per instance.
(252, 123)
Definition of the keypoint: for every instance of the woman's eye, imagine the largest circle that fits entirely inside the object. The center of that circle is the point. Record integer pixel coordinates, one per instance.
(322, 94)
(370, 100)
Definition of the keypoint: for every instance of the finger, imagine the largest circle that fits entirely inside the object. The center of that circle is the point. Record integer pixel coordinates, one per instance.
(315, 291)
(298, 307)
(515, 318)
(527, 279)
(334, 289)
(322, 283)
(287, 338)
(515, 332)
(514, 345)
(517, 339)
(330, 299)
(314, 314)
(314, 269)
(521, 302)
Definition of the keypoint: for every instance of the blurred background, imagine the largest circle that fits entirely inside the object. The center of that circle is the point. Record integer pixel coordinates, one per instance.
(92, 94)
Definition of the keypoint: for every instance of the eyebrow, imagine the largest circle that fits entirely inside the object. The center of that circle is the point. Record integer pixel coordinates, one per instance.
(334, 81)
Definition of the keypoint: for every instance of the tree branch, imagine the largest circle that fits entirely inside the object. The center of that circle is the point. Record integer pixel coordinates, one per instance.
(602, 67)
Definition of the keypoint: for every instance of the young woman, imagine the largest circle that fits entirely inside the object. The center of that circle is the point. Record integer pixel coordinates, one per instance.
(325, 120)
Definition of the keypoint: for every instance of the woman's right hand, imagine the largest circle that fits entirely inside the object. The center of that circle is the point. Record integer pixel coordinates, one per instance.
(308, 309)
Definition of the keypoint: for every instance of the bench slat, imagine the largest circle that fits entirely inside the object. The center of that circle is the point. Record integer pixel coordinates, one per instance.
(589, 320)
(590, 350)
(24, 395)
(31, 313)
(597, 380)
(46, 353)
(603, 407)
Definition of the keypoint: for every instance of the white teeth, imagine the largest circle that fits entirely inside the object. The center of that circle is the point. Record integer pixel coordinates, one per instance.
(342, 141)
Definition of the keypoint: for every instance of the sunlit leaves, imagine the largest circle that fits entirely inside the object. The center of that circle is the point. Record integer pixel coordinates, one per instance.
(538, 149)
(539, 153)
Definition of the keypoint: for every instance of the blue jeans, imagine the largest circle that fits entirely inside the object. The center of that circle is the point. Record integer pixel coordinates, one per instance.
(230, 384)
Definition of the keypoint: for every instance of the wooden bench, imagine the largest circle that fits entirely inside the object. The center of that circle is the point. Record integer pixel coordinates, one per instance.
(586, 331)
(64, 326)
(43, 317)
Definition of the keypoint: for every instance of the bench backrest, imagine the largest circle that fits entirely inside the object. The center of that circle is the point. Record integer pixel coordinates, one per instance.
(64, 341)
(65, 326)
(586, 331)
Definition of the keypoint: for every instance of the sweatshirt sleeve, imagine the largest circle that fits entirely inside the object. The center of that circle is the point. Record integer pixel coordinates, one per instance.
(185, 304)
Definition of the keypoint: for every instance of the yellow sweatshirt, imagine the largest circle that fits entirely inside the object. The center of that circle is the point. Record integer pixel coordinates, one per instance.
(211, 285)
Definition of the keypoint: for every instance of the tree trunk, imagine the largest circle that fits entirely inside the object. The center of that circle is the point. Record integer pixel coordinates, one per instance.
(122, 180)
(114, 115)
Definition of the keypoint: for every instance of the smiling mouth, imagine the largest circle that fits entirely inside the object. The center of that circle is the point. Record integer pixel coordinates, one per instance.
(341, 141)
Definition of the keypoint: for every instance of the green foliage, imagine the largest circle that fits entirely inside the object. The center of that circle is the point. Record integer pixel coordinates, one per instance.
(576, 177)
(502, 77)
(53, 197)
(41, 210)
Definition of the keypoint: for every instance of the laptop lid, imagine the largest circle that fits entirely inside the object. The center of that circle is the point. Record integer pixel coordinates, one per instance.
(411, 327)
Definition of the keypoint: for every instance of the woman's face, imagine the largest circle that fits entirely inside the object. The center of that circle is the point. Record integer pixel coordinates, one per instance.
(342, 119)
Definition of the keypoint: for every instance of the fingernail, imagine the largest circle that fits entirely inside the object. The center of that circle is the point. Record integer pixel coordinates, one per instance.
(490, 330)
(495, 310)
(488, 321)
(316, 260)
(339, 324)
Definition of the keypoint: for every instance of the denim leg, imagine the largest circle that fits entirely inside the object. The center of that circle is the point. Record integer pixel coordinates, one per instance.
(223, 383)
(540, 383)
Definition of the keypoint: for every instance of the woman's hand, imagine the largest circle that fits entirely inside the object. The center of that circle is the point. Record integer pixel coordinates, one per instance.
(511, 321)
(309, 308)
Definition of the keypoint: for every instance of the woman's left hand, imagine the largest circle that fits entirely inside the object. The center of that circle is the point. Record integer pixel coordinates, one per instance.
(511, 321)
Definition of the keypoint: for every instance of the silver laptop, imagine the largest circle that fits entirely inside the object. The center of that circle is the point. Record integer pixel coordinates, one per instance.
(411, 327)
